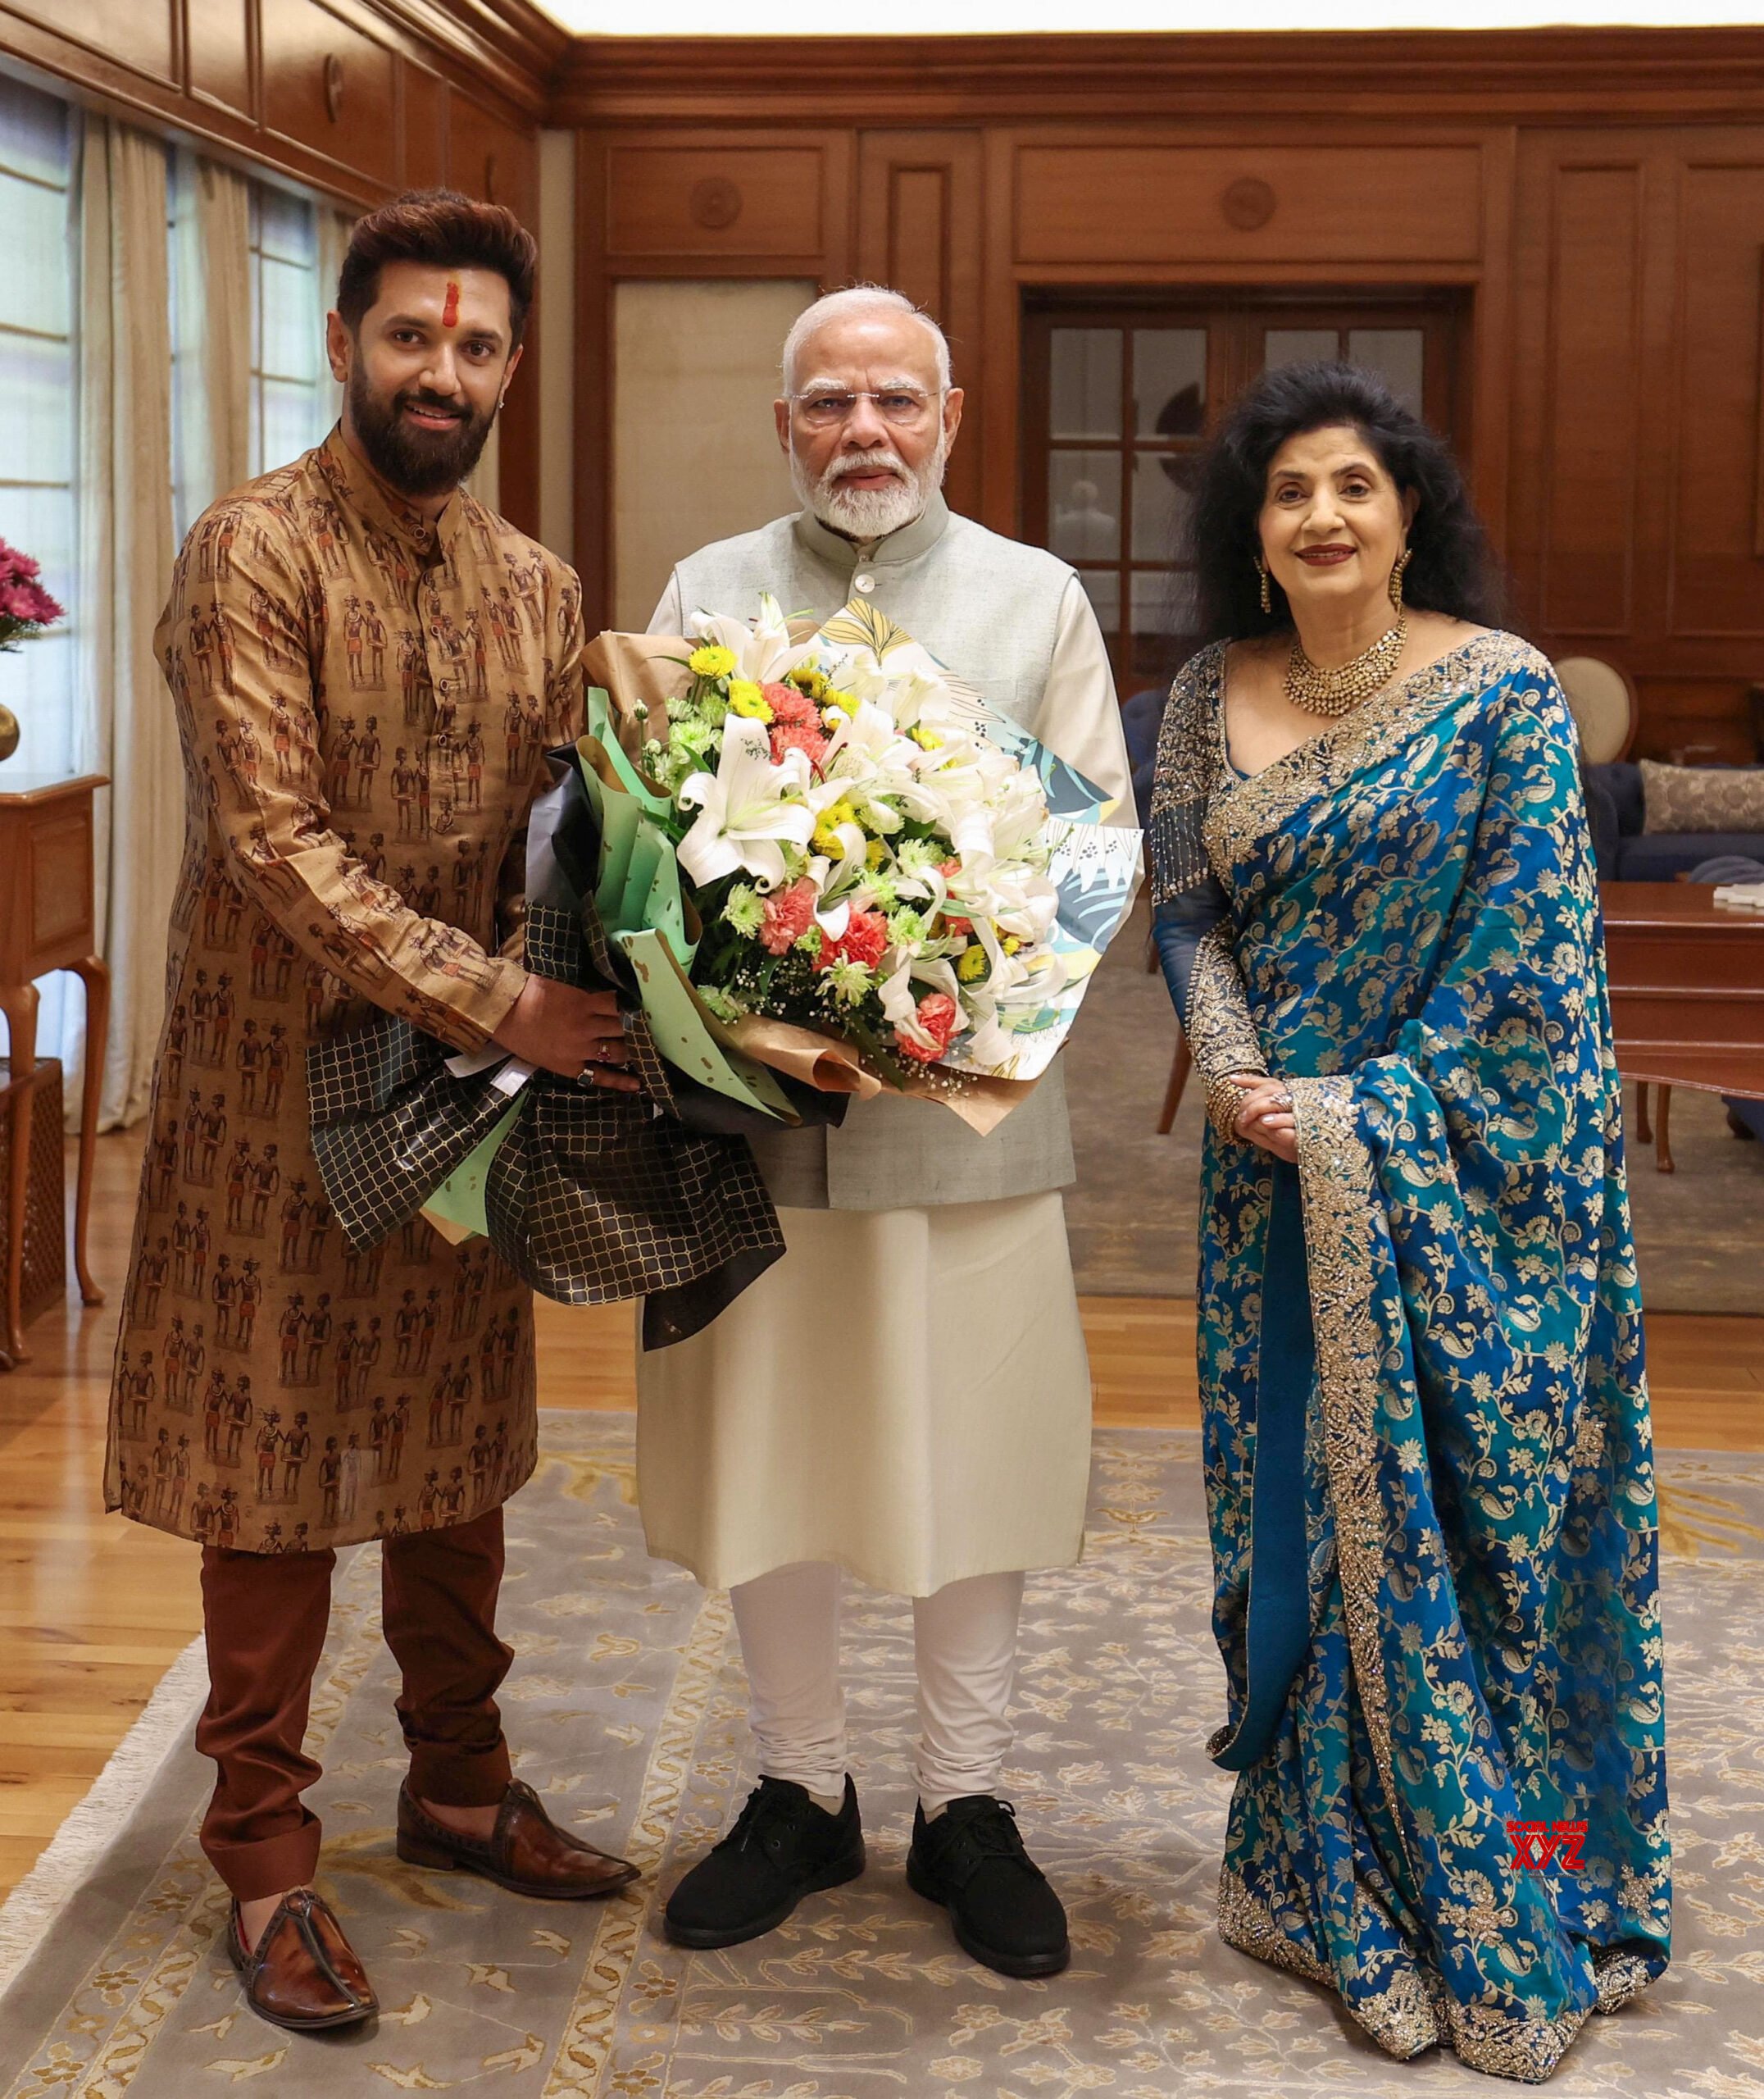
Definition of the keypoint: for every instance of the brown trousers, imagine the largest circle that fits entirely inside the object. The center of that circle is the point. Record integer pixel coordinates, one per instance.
(263, 1618)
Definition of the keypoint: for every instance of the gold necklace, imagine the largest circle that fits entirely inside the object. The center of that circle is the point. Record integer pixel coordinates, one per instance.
(1337, 692)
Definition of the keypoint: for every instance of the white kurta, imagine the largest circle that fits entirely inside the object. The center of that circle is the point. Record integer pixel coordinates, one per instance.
(906, 1392)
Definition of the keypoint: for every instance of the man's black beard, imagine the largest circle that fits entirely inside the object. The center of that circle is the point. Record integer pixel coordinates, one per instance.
(418, 463)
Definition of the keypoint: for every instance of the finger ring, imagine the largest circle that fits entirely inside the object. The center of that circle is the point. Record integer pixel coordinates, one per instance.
(586, 1077)
(1282, 1099)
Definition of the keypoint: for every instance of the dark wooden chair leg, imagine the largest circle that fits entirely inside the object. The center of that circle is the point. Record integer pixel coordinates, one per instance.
(1180, 1065)
(1663, 1135)
(1644, 1128)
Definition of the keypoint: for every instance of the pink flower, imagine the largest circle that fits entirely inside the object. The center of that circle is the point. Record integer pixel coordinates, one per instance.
(789, 914)
(791, 706)
(28, 603)
(15, 565)
(804, 736)
(865, 938)
(937, 1016)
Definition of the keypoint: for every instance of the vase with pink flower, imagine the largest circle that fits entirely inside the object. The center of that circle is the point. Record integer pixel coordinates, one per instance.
(26, 608)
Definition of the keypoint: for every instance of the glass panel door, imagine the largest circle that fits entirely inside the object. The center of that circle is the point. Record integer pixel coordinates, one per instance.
(1118, 401)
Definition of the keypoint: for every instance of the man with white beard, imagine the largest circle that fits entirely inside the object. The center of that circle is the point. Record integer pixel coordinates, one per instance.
(905, 1395)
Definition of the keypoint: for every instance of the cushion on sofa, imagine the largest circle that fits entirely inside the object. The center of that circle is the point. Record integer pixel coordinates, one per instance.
(1703, 798)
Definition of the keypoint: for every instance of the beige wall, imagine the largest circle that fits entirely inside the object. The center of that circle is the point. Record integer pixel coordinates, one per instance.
(695, 457)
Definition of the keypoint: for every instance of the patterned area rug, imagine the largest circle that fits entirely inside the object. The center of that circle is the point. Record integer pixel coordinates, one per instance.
(626, 1707)
(1132, 1214)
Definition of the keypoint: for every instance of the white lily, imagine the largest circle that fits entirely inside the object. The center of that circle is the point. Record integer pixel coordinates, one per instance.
(748, 809)
(762, 651)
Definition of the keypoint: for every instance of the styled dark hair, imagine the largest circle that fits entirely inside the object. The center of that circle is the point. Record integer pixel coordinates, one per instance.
(1451, 567)
(448, 231)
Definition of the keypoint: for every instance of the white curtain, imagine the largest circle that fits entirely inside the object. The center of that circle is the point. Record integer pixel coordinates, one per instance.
(127, 550)
(211, 303)
(334, 230)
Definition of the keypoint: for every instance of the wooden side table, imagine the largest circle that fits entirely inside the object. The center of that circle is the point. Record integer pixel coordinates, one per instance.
(1687, 995)
(47, 921)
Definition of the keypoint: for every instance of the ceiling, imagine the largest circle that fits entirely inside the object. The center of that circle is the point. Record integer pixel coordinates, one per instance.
(978, 17)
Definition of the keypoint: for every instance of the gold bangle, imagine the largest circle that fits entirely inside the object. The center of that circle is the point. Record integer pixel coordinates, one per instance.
(1225, 1100)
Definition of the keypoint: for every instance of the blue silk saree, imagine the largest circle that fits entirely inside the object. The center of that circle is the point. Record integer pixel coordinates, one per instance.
(1427, 1450)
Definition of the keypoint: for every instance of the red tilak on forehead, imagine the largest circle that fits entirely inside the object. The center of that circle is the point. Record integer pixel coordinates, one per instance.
(450, 312)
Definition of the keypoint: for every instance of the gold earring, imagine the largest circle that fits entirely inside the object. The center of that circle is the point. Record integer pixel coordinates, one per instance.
(1403, 560)
(1261, 570)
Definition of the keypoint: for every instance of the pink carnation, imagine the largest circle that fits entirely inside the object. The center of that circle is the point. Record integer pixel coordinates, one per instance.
(790, 705)
(938, 1016)
(804, 736)
(864, 939)
(789, 914)
(29, 602)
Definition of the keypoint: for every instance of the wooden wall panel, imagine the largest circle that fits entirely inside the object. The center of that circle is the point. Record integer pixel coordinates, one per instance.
(919, 201)
(139, 35)
(217, 53)
(330, 84)
(1717, 573)
(1594, 399)
(706, 203)
(487, 158)
(1093, 204)
(425, 114)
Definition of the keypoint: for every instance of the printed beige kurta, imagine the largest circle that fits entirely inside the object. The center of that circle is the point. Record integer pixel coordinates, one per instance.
(363, 701)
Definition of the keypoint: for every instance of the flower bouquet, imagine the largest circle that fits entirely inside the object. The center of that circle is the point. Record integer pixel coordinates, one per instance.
(876, 860)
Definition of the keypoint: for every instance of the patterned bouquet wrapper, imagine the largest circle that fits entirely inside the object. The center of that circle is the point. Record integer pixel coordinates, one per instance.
(591, 1196)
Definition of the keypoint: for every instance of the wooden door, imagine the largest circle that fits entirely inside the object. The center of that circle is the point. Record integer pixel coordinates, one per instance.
(1119, 399)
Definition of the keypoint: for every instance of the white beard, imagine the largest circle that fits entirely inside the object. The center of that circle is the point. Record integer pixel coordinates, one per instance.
(867, 514)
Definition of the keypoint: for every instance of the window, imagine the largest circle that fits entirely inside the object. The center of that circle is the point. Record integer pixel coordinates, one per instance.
(1120, 399)
(292, 392)
(37, 512)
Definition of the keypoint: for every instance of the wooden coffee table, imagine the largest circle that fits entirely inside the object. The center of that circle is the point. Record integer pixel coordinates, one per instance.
(1687, 995)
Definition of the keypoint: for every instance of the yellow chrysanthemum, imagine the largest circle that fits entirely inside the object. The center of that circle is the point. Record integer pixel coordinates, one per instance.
(1010, 944)
(712, 661)
(807, 679)
(875, 853)
(927, 739)
(747, 700)
(826, 839)
(972, 966)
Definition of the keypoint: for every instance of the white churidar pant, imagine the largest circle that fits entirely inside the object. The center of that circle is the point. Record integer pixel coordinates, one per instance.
(965, 1644)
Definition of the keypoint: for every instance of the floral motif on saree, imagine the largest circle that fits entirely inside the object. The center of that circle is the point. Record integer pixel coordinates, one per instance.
(1437, 1591)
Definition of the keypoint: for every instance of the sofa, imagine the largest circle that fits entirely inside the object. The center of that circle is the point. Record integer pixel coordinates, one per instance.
(1626, 852)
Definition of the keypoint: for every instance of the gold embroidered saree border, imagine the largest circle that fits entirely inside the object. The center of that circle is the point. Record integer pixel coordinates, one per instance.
(1416, 2010)
(1335, 1179)
(1242, 813)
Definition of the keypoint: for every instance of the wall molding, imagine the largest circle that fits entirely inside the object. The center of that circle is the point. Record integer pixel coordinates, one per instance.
(1555, 75)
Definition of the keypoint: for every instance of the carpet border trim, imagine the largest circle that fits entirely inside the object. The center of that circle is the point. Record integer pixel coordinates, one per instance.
(89, 1829)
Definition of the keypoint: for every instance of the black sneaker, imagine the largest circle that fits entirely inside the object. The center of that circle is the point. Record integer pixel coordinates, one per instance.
(971, 1859)
(782, 1847)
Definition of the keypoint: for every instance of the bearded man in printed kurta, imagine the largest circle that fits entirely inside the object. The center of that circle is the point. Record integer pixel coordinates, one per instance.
(315, 620)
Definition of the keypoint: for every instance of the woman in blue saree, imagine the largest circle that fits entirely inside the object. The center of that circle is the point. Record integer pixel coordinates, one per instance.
(1427, 1450)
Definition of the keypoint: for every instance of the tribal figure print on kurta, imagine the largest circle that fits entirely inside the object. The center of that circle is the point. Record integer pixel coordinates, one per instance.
(1429, 1473)
(364, 701)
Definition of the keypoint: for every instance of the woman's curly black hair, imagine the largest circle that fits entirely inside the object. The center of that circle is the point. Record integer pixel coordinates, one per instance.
(1452, 569)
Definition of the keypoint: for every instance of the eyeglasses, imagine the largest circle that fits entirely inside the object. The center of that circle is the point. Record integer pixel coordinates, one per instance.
(895, 404)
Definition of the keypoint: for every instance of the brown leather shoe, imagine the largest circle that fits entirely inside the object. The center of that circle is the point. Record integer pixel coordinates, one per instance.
(303, 1974)
(526, 1853)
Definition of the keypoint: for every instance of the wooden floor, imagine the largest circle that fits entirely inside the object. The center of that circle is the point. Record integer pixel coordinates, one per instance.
(93, 1610)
